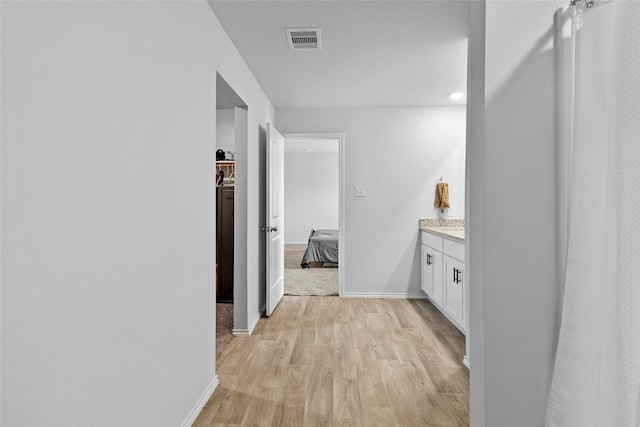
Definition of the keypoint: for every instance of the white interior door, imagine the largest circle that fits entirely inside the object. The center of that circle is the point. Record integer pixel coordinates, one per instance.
(275, 218)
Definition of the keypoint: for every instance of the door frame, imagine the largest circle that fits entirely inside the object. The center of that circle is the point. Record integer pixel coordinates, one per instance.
(240, 299)
(341, 196)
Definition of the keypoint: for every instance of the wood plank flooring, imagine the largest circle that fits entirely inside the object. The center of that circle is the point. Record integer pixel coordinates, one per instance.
(328, 361)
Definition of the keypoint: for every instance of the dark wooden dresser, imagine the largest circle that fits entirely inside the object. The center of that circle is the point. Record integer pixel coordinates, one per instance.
(224, 199)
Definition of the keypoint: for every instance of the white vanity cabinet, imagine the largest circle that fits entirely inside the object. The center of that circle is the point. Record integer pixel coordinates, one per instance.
(454, 291)
(431, 251)
(442, 262)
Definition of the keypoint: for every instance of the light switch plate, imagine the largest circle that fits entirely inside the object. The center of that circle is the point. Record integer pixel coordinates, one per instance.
(359, 191)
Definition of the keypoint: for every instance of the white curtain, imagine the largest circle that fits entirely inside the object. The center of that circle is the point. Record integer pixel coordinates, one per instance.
(596, 380)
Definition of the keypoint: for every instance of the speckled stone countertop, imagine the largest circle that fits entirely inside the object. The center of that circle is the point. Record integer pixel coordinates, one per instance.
(450, 228)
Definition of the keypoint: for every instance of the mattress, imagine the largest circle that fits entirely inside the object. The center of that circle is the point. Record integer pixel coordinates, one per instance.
(322, 247)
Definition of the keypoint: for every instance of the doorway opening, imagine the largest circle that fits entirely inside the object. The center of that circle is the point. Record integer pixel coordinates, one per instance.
(314, 246)
(231, 135)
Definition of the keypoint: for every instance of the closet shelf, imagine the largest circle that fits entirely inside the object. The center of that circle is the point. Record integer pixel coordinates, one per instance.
(225, 165)
(227, 168)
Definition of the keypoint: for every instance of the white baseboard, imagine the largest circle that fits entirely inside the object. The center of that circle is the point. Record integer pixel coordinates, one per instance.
(252, 326)
(188, 422)
(420, 295)
(465, 361)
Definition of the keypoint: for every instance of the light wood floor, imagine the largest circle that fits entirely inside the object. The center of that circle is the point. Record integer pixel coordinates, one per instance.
(328, 361)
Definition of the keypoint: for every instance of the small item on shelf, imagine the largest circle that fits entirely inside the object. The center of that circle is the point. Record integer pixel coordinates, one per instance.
(220, 177)
(220, 155)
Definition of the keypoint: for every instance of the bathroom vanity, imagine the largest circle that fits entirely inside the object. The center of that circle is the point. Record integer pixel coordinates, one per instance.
(442, 268)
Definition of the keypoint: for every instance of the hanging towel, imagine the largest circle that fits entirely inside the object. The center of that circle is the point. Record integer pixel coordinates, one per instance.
(442, 196)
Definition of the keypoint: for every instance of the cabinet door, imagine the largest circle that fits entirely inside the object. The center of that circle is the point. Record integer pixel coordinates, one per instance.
(454, 291)
(425, 271)
(432, 274)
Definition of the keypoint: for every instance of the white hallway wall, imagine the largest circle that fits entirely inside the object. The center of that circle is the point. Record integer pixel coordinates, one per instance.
(398, 154)
(108, 209)
(311, 193)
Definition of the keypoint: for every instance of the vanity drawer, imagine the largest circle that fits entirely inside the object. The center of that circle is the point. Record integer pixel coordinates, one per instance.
(454, 249)
(432, 240)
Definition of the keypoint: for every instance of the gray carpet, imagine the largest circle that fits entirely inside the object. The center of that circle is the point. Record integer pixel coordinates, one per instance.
(317, 280)
(224, 327)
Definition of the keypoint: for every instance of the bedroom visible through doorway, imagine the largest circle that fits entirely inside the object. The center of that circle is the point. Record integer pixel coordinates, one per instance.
(312, 215)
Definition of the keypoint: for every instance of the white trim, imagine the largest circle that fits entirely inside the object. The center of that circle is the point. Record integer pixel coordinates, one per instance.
(254, 323)
(191, 418)
(466, 362)
(342, 202)
(249, 331)
(384, 295)
(342, 265)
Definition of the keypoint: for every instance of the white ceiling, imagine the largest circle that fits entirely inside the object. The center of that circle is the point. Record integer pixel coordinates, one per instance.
(375, 53)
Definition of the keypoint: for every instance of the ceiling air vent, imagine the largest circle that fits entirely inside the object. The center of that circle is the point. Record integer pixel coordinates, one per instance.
(304, 38)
